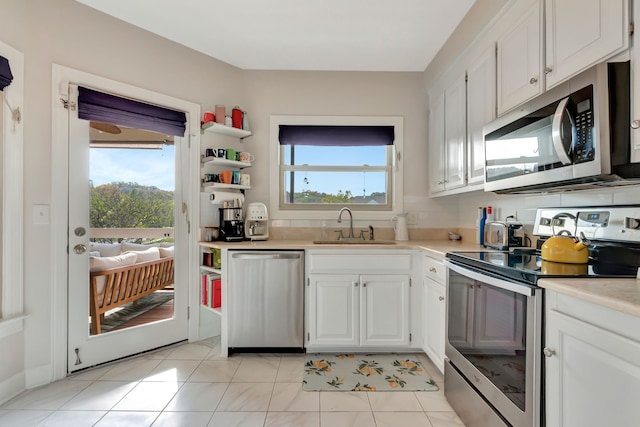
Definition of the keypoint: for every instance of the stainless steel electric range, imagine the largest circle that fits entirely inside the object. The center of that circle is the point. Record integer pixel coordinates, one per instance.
(495, 327)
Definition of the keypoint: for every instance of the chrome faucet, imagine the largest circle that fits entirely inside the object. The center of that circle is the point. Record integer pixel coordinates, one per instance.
(350, 236)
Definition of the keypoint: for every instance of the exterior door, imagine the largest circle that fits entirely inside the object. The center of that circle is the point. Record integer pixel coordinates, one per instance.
(87, 348)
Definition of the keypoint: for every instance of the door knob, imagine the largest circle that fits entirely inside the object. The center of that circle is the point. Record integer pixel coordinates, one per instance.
(441, 298)
(80, 231)
(80, 249)
(433, 270)
(533, 80)
(547, 70)
(548, 352)
(635, 124)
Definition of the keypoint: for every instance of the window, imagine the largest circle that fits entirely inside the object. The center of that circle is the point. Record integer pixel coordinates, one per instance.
(324, 163)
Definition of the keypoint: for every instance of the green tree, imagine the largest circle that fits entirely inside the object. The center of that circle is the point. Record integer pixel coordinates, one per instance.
(130, 205)
(338, 198)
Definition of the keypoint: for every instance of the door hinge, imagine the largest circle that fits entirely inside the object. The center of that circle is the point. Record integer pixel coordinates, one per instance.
(308, 336)
(466, 76)
(632, 28)
(410, 282)
(308, 281)
(410, 337)
(188, 313)
(69, 105)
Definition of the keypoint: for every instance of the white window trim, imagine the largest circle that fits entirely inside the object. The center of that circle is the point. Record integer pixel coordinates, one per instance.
(12, 196)
(274, 161)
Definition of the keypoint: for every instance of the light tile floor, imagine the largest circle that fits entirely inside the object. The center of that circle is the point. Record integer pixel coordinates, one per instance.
(191, 385)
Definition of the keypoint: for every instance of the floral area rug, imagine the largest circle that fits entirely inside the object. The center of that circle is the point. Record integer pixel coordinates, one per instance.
(365, 372)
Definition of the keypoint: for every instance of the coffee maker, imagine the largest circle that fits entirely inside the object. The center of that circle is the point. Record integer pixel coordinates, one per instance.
(231, 224)
(256, 226)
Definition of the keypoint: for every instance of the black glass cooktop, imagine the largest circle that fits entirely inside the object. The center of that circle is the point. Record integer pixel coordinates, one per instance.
(527, 266)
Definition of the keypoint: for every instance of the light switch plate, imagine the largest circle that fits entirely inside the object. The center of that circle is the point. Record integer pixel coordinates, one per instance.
(41, 214)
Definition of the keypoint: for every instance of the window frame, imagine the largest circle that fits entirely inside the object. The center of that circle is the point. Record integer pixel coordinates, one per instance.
(394, 184)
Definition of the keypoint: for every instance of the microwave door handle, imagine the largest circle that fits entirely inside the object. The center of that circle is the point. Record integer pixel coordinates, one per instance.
(556, 132)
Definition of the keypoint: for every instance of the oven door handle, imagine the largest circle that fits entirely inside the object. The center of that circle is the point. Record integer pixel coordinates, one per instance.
(492, 281)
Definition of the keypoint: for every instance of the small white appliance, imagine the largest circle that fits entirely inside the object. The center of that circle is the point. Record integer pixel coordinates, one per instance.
(256, 226)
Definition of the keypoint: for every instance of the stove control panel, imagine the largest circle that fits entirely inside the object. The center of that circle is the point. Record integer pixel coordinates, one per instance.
(611, 223)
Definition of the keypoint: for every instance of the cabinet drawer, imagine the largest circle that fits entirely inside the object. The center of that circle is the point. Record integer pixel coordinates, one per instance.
(361, 263)
(434, 269)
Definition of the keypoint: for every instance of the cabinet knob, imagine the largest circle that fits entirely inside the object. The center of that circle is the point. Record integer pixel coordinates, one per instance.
(355, 284)
(635, 124)
(441, 298)
(533, 80)
(548, 352)
(364, 285)
(547, 70)
(440, 182)
(433, 270)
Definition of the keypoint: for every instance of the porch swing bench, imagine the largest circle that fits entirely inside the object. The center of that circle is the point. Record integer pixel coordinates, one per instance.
(118, 286)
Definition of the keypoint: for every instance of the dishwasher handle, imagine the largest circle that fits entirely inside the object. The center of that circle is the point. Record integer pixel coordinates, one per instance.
(268, 255)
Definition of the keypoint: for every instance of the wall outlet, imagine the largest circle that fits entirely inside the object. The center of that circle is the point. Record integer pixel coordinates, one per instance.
(412, 218)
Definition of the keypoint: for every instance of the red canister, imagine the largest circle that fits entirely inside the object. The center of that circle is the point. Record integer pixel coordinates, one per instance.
(236, 117)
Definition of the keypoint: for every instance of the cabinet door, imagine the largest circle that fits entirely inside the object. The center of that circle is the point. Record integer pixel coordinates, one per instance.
(384, 306)
(520, 61)
(498, 319)
(455, 134)
(481, 109)
(436, 143)
(581, 33)
(460, 324)
(333, 310)
(592, 377)
(434, 321)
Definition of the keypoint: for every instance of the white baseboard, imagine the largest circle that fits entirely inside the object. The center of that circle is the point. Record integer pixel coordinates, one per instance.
(12, 387)
(38, 376)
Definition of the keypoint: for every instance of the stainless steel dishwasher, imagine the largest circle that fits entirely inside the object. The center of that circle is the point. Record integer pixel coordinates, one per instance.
(265, 300)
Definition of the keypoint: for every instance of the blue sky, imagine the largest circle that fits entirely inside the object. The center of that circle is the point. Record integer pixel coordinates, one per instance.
(146, 167)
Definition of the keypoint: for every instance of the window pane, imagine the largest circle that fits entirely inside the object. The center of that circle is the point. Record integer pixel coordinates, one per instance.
(335, 187)
(335, 156)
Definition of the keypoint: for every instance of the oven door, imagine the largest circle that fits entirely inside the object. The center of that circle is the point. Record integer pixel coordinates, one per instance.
(493, 339)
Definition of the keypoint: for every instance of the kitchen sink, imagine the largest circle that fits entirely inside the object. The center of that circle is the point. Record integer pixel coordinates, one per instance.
(354, 242)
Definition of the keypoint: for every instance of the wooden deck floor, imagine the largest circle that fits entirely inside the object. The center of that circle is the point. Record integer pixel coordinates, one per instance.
(164, 311)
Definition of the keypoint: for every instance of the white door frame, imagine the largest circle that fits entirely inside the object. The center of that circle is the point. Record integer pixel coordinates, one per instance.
(61, 76)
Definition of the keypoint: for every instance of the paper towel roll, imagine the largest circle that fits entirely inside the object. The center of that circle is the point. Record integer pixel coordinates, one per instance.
(220, 196)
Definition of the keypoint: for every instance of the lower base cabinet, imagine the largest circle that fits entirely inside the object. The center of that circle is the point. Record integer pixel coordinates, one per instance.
(434, 321)
(358, 310)
(592, 364)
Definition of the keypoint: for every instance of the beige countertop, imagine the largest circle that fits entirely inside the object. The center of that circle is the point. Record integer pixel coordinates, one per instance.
(618, 294)
(435, 247)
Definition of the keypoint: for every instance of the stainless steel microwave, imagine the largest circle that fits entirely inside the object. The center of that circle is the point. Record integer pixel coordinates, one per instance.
(574, 136)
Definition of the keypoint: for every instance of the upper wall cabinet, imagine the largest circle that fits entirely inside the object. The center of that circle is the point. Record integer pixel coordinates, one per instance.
(481, 109)
(447, 136)
(582, 33)
(519, 59)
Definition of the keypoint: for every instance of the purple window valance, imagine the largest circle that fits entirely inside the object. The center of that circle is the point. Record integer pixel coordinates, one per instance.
(5, 73)
(340, 136)
(106, 108)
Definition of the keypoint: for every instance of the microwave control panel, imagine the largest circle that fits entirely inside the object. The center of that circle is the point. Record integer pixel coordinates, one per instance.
(583, 132)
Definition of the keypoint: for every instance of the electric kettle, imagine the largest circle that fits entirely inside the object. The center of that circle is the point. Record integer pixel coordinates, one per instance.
(399, 223)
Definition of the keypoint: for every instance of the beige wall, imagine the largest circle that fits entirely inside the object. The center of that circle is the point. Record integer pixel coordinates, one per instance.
(336, 93)
(68, 33)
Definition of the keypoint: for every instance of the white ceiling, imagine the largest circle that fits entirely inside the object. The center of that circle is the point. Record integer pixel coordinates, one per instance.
(345, 35)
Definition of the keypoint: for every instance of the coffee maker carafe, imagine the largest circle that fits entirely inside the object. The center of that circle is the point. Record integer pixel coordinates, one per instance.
(231, 224)
(256, 226)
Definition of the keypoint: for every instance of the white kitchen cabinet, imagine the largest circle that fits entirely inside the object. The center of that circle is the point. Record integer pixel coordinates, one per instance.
(334, 310)
(635, 100)
(519, 59)
(582, 33)
(447, 138)
(350, 311)
(454, 134)
(592, 364)
(436, 142)
(434, 321)
(481, 109)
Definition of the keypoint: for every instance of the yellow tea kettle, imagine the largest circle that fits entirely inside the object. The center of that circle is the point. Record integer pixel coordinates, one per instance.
(566, 248)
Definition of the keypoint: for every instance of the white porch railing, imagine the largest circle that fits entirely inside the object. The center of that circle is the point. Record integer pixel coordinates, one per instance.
(131, 233)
